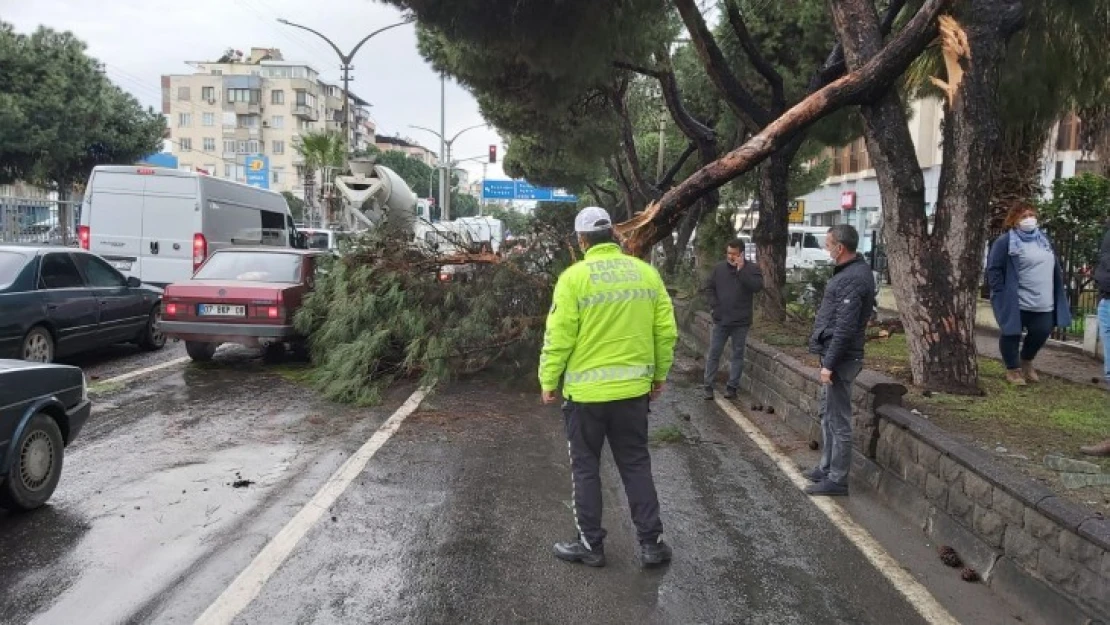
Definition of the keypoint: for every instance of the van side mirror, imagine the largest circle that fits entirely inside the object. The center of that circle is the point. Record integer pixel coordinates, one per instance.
(133, 282)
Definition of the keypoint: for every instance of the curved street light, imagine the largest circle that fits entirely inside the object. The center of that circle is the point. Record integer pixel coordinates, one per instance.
(445, 197)
(346, 66)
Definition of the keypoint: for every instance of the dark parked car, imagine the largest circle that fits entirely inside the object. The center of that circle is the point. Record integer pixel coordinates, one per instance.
(42, 409)
(241, 295)
(59, 301)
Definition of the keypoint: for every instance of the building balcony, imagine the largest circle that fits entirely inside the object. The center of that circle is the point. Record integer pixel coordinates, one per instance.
(242, 134)
(247, 108)
(305, 112)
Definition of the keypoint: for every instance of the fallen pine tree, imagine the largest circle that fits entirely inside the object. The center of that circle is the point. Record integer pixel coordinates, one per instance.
(380, 313)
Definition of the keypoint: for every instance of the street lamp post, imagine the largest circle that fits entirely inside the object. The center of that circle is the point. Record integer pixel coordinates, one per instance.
(345, 65)
(445, 177)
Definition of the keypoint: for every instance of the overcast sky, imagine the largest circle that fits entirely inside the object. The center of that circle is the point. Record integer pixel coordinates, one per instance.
(139, 42)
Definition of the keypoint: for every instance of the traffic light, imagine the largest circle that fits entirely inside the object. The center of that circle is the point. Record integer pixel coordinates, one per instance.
(493, 153)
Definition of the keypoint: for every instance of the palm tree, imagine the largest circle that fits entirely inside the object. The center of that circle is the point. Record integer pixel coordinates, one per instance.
(324, 151)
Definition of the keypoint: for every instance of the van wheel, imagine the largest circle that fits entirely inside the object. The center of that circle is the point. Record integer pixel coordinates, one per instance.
(200, 352)
(151, 338)
(36, 465)
(38, 345)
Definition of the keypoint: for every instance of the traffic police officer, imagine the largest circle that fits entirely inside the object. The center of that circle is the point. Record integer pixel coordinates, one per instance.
(610, 337)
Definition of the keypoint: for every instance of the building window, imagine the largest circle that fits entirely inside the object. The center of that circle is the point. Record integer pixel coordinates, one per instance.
(277, 121)
(304, 124)
(1067, 138)
(241, 147)
(217, 72)
(305, 98)
(209, 144)
(251, 96)
(227, 170)
(183, 93)
(247, 121)
(209, 119)
(186, 144)
(184, 120)
(208, 94)
(253, 146)
(279, 175)
(229, 146)
(277, 97)
(279, 147)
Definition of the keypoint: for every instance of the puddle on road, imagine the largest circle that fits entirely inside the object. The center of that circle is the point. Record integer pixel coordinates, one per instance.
(157, 526)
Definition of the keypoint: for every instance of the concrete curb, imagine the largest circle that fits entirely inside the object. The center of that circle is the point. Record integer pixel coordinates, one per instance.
(1044, 554)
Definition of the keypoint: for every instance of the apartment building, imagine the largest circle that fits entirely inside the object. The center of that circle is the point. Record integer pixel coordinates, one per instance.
(850, 194)
(235, 108)
(410, 147)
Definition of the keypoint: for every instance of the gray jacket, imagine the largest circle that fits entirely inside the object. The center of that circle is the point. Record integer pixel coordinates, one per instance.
(1102, 271)
(840, 329)
(731, 293)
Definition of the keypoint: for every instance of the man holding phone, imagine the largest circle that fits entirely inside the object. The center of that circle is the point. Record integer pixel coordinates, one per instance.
(730, 288)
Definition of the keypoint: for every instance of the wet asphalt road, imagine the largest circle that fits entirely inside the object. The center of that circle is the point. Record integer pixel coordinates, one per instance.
(452, 520)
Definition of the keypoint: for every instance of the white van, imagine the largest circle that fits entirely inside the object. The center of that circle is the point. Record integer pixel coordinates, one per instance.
(159, 225)
(806, 248)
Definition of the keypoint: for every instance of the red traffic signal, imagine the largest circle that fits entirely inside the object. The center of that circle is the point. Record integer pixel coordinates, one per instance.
(493, 153)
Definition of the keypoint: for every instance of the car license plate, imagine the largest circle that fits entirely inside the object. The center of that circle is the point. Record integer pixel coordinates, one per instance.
(222, 310)
(121, 265)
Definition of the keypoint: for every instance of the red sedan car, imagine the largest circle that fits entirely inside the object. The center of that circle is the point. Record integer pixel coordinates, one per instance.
(246, 296)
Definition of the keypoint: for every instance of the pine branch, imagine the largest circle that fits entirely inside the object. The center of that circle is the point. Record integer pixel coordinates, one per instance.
(765, 69)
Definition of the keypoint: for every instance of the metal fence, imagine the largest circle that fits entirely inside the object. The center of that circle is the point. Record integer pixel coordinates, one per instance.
(1079, 279)
(37, 220)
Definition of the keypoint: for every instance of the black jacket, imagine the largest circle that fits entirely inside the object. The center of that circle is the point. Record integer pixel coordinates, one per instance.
(1102, 271)
(731, 293)
(841, 325)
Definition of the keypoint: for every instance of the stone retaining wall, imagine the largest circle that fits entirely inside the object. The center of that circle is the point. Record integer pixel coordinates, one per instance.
(1044, 554)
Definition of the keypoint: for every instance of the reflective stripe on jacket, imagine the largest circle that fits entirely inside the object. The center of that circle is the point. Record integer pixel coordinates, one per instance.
(611, 330)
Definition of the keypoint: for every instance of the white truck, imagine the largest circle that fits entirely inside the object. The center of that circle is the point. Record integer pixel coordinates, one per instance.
(806, 248)
(159, 225)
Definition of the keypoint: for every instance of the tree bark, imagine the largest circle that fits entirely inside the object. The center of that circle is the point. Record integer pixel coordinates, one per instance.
(771, 234)
(862, 85)
(1016, 169)
(935, 275)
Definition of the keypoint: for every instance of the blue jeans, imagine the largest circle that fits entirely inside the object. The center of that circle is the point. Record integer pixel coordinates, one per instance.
(836, 421)
(1038, 327)
(1104, 328)
(721, 335)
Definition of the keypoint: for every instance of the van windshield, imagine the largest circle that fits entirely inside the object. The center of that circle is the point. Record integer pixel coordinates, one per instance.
(316, 240)
(252, 267)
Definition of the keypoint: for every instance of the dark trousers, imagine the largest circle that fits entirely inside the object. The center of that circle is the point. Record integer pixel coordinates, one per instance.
(625, 424)
(721, 334)
(1038, 327)
(836, 421)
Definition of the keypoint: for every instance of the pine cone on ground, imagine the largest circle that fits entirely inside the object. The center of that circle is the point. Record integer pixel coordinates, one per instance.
(949, 556)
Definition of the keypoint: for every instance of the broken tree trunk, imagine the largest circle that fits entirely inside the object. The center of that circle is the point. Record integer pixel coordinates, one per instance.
(864, 84)
(935, 274)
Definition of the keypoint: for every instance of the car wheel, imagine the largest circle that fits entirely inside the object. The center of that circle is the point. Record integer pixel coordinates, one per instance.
(200, 352)
(152, 338)
(273, 353)
(36, 465)
(38, 345)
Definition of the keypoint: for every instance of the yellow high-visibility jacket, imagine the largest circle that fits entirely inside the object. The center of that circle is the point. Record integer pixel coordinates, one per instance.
(611, 330)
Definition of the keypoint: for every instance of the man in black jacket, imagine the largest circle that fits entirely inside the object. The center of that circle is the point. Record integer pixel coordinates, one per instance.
(838, 336)
(730, 289)
(1102, 278)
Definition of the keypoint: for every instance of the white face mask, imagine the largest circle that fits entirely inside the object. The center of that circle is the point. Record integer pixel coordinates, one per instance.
(1029, 224)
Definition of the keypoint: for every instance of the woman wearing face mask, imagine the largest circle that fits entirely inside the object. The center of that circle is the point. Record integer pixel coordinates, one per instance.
(1027, 292)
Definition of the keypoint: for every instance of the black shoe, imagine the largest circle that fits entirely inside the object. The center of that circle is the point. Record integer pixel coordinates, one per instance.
(827, 488)
(575, 551)
(654, 554)
(730, 393)
(815, 475)
(708, 393)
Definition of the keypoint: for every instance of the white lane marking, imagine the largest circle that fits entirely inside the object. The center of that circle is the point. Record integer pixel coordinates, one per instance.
(140, 372)
(246, 587)
(918, 596)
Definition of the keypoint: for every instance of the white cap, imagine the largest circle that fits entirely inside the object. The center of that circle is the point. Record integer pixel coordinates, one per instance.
(592, 219)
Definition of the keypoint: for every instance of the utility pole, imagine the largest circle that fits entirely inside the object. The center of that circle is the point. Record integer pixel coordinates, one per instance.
(445, 151)
(345, 65)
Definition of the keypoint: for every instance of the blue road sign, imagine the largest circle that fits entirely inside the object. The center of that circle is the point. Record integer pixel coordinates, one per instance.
(522, 190)
(258, 171)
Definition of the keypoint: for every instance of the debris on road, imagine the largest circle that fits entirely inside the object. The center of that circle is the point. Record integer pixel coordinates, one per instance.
(949, 556)
(969, 575)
